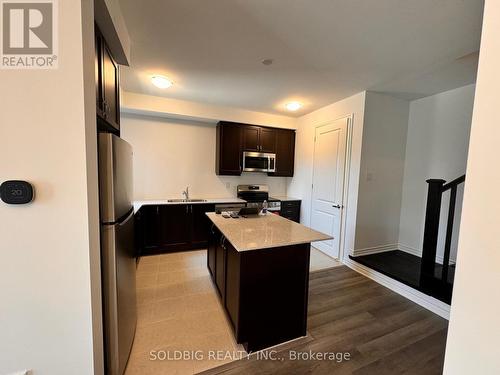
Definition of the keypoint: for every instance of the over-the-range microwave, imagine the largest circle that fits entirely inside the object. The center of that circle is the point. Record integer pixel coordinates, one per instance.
(259, 162)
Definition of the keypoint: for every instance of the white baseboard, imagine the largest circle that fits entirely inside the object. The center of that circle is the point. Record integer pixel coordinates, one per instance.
(375, 249)
(410, 250)
(428, 302)
(418, 253)
(392, 247)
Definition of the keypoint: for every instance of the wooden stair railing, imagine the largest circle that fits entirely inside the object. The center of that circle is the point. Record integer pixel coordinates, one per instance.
(428, 281)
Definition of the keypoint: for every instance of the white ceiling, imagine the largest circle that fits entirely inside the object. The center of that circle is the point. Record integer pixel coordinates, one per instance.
(323, 50)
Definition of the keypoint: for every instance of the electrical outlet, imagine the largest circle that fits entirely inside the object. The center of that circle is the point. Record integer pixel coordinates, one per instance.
(369, 176)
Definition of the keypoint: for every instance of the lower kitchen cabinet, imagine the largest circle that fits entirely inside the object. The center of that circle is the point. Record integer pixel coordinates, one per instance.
(200, 224)
(148, 228)
(264, 292)
(216, 260)
(291, 210)
(174, 227)
(220, 268)
(211, 250)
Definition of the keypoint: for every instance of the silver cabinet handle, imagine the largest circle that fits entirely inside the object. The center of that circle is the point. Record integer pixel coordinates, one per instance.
(336, 206)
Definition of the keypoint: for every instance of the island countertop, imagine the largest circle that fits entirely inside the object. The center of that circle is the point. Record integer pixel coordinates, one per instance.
(264, 231)
(160, 202)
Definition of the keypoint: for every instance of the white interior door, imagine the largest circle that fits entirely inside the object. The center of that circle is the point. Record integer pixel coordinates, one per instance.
(328, 183)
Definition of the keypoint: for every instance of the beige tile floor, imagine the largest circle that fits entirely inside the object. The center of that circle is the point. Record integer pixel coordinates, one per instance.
(321, 261)
(179, 310)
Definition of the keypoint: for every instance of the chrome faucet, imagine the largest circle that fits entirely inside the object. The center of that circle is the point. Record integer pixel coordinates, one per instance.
(186, 193)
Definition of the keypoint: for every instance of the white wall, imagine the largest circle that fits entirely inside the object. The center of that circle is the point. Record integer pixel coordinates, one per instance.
(187, 110)
(300, 185)
(171, 154)
(472, 346)
(382, 166)
(50, 307)
(437, 144)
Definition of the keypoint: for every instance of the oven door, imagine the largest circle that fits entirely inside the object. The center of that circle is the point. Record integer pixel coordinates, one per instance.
(257, 162)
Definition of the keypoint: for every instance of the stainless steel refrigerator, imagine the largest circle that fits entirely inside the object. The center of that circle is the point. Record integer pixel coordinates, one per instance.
(117, 250)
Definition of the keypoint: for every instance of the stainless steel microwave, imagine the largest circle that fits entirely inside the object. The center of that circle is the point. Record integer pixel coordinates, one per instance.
(259, 162)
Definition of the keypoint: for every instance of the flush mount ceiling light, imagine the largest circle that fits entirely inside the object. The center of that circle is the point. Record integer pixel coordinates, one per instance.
(161, 82)
(293, 106)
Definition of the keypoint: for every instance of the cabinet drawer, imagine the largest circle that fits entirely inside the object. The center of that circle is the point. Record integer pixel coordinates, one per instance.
(287, 205)
(289, 212)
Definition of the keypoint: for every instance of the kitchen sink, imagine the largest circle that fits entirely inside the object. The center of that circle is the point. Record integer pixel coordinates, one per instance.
(187, 200)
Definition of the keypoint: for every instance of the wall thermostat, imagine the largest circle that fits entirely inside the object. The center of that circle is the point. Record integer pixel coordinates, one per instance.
(16, 192)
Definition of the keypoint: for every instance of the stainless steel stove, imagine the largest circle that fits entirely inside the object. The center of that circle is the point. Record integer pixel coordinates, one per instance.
(255, 195)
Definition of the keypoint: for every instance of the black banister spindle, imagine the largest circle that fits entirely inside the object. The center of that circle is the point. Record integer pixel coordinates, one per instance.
(449, 234)
(431, 230)
(430, 282)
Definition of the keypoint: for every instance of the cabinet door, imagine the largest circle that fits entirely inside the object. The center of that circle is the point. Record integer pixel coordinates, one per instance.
(220, 269)
(291, 210)
(200, 224)
(175, 223)
(267, 139)
(228, 158)
(98, 73)
(251, 140)
(110, 89)
(150, 227)
(211, 249)
(285, 153)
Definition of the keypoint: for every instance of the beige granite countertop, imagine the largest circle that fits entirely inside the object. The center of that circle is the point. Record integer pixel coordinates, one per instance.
(284, 198)
(264, 231)
(159, 202)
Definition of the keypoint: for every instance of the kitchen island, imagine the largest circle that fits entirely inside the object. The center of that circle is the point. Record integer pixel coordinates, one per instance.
(260, 267)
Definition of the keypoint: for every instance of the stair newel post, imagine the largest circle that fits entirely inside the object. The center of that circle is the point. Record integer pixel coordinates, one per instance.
(431, 229)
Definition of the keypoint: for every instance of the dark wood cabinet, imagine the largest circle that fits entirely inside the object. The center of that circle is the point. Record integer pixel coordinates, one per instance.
(267, 140)
(216, 260)
(200, 224)
(228, 149)
(291, 210)
(107, 86)
(234, 138)
(264, 292)
(251, 138)
(220, 267)
(258, 139)
(98, 73)
(174, 227)
(285, 153)
(211, 250)
(148, 221)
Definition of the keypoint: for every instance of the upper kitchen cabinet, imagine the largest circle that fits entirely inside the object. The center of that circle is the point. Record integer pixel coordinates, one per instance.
(285, 153)
(267, 138)
(228, 148)
(235, 138)
(107, 86)
(258, 139)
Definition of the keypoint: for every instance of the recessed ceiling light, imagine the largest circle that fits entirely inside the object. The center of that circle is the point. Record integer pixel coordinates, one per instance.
(293, 106)
(161, 82)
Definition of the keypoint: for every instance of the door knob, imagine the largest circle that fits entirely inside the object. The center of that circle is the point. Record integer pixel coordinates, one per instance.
(336, 206)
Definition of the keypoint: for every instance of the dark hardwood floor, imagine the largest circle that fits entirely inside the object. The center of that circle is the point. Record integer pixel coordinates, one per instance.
(403, 267)
(383, 332)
